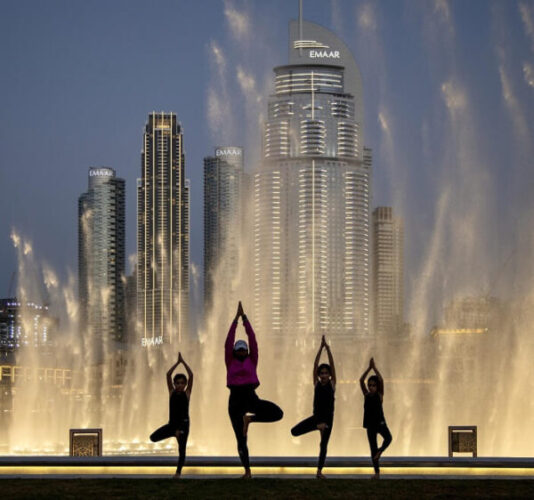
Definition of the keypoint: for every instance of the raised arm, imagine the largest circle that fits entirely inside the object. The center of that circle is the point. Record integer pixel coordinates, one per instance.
(230, 338)
(170, 385)
(189, 376)
(331, 363)
(362, 380)
(316, 362)
(252, 343)
(380, 379)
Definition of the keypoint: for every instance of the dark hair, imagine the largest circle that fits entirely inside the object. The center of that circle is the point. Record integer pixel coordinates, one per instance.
(324, 366)
(179, 376)
(373, 378)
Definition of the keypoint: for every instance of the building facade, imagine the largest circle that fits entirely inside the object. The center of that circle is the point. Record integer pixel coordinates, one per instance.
(388, 272)
(473, 312)
(101, 259)
(26, 324)
(130, 309)
(162, 234)
(312, 195)
(223, 213)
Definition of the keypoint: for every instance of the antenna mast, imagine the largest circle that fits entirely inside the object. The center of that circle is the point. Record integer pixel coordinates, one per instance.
(300, 26)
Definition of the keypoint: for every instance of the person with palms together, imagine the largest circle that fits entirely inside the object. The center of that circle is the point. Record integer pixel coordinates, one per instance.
(178, 426)
(373, 417)
(324, 381)
(244, 405)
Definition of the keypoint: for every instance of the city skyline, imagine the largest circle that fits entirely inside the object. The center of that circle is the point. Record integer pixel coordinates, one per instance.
(428, 123)
(417, 111)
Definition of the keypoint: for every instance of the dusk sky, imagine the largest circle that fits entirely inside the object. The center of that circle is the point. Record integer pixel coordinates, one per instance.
(448, 97)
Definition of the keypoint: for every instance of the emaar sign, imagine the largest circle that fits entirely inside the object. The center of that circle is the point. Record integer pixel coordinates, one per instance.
(101, 172)
(228, 152)
(151, 341)
(326, 54)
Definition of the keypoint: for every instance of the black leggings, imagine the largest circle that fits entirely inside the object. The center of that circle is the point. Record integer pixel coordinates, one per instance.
(181, 433)
(242, 402)
(310, 424)
(372, 432)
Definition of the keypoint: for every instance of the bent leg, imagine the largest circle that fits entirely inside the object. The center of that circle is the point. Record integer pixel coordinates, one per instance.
(265, 411)
(386, 435)
(307, 425)
(164, 432)
(371, 436)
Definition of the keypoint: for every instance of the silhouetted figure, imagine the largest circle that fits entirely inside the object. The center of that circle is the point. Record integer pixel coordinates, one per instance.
(179, 394)
(324, 381)
(373, 416)
(244, 406)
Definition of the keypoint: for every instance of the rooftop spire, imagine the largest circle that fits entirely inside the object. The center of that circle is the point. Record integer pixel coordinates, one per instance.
(300, 25)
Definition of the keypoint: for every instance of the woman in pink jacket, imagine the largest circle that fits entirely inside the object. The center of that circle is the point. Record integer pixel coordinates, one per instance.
(244, 405)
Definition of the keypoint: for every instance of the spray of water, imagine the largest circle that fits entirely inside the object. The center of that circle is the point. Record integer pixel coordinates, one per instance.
(431, 382)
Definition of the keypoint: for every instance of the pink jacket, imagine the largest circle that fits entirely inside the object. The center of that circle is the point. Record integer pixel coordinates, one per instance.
(241, 372)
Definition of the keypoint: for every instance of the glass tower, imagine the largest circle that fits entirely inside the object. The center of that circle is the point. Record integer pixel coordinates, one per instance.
(388, 272)
(223, 204)
(101, 259)
(312, 194)
(162, 234)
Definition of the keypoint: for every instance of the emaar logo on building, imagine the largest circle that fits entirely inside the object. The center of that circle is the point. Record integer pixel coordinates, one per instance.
(151, 341)
(328, 54)
(228, 152)
(101, 172)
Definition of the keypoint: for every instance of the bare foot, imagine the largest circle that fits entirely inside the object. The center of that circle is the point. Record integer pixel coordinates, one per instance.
(176, 476)
(246, 475)
(376, 476)
(246, 421)
(320, 475)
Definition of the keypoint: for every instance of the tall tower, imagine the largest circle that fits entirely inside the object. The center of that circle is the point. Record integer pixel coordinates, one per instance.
(311, 221)
(162, 234)
(388, 272)
(101, 259)
(223, 203)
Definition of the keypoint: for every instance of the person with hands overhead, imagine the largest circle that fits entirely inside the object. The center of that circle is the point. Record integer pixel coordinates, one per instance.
(244, 405)
(180, 388)
(324, 382)
(373, 416)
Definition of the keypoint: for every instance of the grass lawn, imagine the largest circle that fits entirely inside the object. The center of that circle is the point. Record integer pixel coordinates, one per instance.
(101, 489)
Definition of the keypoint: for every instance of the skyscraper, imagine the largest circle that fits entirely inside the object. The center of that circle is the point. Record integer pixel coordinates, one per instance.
(311, 220)
(162, 234)
(388, 272)
(26, 324)
(101, 258)
(223, 203)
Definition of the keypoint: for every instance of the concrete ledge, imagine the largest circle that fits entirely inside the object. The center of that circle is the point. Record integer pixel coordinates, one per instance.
(277, 462)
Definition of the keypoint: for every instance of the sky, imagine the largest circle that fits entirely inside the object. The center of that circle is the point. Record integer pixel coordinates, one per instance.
(449, 113)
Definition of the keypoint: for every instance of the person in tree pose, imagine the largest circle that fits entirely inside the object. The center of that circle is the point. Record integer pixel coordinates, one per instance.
(178, 426)
(324, 381)
(373, 416)
(244, 406)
